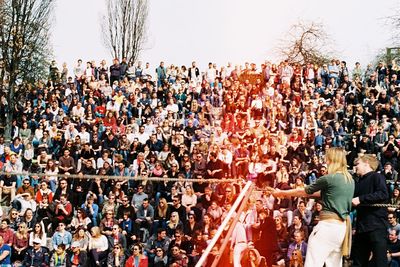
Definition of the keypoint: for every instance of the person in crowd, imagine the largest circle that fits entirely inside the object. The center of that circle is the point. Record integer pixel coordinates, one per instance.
(161, 258)
(5, 253)
(20, 243)
(81, 220)
(393, 245)
(298, 225)
(37, 255)
(59, 257)
(298, 244)
(252, 258)
(81, 237)
(98, 247)
(159, 239)
(63, 210)
(116, 258)
(61, 236)
(77, 257)
(116, 237)
(138, 258)
(6, 232)
(38, 232)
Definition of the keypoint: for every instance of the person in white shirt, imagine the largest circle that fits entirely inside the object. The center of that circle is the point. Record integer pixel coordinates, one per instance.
(211, 74)
(172, 106)
(147, 73)
(26, 201)
(112, 105)
(85, 136)
(98, 245)
(149, 127)
(88, 72)
(286, 72)
(106, 90)
(70, 132)
(229, 69)
(78, 110)
(104, 158)
(142, 136)
(78, 70)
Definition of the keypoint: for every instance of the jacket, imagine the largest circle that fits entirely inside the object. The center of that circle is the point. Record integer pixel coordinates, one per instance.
(143, 261)
(371, 189)
(37, 258)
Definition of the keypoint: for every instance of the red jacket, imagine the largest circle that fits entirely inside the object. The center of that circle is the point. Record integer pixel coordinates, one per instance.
(143, 261)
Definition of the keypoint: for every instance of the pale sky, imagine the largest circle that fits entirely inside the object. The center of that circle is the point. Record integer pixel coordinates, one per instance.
(219, 31)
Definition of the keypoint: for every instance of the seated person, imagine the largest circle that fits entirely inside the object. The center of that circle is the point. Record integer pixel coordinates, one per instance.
(298, 244)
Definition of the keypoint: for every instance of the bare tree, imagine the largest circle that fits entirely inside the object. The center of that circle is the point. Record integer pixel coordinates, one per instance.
(124, 28)
(24, 45)
(306, 42)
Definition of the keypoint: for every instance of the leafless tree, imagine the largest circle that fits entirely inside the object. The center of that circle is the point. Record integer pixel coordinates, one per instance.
(306, 42)
(24, 44)
(124, 28)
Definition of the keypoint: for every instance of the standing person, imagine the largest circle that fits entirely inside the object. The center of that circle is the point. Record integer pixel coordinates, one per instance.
(267, 232)
(371, 227)
(330, 237)
(238, 242)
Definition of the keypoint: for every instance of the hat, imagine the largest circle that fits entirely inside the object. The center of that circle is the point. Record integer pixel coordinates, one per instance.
(37, 241)
(75, 244)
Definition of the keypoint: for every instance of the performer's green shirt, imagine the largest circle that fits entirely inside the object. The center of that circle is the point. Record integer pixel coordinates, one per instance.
(336, 193)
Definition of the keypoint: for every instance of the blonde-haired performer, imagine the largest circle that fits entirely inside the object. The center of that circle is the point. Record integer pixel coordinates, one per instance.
(330, 238)
(371, 226)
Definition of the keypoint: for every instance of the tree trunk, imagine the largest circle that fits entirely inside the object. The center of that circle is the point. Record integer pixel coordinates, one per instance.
(10, 112)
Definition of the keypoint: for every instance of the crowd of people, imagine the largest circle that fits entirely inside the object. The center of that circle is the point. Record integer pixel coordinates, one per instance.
(271, 124)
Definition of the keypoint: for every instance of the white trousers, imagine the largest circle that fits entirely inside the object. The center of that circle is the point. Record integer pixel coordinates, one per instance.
(237, 253)
(325, 244)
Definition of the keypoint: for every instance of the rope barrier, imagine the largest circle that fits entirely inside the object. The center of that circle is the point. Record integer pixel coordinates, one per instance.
(380, 205)
(122, 177)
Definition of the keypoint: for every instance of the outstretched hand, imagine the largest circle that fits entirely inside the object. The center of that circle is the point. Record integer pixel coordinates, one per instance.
(278, 193)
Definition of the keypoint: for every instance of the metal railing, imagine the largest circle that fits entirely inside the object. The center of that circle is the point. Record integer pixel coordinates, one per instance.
(238, 205)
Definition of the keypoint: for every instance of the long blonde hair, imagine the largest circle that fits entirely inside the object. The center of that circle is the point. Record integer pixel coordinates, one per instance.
(174, 223)
(337, 162)
(22, 232)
